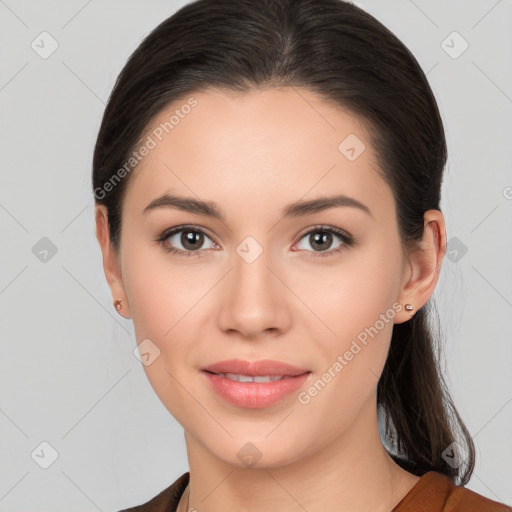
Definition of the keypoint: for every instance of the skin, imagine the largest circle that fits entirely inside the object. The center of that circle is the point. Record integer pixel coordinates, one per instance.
(254, 153)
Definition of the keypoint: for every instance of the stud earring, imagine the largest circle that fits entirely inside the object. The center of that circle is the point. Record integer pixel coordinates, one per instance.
(117, 304)
(409, 307)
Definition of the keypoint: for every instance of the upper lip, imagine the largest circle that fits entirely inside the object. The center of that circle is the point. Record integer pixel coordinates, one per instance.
(254, 368)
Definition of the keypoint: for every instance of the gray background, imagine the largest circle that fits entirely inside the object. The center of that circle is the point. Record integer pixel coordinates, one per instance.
(68, 374)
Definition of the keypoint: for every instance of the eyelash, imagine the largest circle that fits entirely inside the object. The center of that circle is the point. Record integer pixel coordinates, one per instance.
(348, 240)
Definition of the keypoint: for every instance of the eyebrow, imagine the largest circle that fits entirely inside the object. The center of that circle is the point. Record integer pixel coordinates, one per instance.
(296, 209)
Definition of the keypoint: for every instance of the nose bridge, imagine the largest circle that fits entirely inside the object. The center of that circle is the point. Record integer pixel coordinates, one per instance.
(253, 301)
(251, 275)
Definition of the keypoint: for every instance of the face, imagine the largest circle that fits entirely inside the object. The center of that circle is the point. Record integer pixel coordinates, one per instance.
(316, 288)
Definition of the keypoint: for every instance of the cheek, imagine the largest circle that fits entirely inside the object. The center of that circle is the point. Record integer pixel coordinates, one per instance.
(161, 298)
(354, 318)
(357, 308)
(160, 293)
(352, 293)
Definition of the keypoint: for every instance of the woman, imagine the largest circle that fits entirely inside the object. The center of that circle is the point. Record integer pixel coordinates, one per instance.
(267, 179)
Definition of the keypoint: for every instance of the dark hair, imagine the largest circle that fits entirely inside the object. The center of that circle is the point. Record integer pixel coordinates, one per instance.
(350, 59)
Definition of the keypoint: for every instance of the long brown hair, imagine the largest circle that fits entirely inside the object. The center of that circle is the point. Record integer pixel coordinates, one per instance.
(345, 55)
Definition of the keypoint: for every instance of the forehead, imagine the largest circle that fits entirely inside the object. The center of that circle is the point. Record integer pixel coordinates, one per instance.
(280, 144)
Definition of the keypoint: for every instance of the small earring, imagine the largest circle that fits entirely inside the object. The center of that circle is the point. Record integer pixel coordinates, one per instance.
(117, 304)
(409, 307)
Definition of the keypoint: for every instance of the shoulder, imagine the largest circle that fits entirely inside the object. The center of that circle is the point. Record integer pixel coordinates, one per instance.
(461, 499)
(165, 501)
(435, 492)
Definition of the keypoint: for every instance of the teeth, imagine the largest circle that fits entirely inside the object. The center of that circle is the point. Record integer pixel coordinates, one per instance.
(250, 378)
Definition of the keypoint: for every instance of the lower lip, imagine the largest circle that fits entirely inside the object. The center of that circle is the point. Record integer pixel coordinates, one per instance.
(254, 395)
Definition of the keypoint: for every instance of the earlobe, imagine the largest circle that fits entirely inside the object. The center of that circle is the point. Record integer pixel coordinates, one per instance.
(111, 264)
(424, 266)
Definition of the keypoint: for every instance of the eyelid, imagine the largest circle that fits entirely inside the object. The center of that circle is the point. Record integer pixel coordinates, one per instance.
(176, 229)
(324, 227)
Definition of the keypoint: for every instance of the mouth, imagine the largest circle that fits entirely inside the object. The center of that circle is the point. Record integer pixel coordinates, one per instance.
(237, 377)
(254, 385)
(262, 368)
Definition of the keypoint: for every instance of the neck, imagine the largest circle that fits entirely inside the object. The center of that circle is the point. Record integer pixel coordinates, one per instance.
(352, 472)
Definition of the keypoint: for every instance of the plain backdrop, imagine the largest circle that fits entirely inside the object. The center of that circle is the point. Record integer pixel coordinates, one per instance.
(74, 397)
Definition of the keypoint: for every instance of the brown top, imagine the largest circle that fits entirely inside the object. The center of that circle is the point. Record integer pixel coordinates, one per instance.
(433, 492)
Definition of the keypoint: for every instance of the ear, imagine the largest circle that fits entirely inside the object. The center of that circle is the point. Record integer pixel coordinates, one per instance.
(423, 266)
(111, 264)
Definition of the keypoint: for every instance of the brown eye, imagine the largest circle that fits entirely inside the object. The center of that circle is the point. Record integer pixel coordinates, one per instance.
(321, 240)
(191, 240)
(185, 241)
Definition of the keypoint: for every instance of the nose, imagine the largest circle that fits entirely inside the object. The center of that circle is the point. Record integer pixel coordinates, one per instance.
(255, 301)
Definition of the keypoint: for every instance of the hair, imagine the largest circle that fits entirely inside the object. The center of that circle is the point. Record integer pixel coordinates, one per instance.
(346, 56)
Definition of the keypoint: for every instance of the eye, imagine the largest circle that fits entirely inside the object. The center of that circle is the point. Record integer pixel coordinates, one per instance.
(191, 240)
(321, 239)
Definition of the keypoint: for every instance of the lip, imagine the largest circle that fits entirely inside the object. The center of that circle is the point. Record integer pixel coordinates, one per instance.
(255, 395)
(255, 368)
